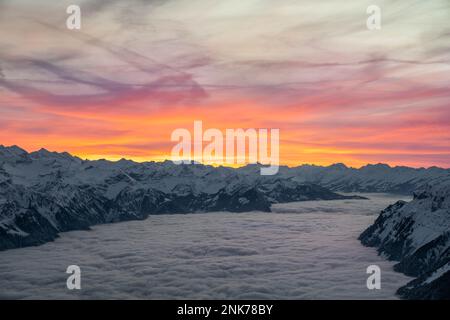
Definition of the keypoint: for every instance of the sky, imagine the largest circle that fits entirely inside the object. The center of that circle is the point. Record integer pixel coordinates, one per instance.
(137, 70)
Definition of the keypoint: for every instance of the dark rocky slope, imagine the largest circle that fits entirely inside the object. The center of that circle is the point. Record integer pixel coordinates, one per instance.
(417, 234)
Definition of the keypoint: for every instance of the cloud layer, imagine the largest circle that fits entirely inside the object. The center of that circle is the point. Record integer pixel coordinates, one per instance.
(306, 250)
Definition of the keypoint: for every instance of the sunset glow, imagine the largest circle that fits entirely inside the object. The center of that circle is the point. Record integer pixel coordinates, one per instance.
(337, 91)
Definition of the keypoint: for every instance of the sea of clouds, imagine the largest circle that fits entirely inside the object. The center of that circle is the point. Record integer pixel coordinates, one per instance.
(303, 250)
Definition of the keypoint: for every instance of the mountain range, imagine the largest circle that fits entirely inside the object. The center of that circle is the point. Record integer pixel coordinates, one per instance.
(43, 193)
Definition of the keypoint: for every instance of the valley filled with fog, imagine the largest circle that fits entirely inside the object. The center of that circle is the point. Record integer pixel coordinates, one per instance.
(300, 250)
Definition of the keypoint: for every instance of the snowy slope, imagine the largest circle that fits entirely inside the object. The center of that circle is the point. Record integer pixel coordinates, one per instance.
(417, 233)
(370, 178)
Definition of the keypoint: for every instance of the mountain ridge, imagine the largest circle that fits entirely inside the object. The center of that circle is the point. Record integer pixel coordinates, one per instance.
(333, 165)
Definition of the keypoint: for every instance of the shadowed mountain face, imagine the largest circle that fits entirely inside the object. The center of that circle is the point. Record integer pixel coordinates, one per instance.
(43, 193)
(417, 233)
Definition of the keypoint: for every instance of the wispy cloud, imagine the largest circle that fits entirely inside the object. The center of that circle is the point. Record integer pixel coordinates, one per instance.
(143, 68)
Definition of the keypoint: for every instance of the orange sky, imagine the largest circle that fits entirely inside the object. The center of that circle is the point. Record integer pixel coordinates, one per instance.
(307, 135)
(337, 91)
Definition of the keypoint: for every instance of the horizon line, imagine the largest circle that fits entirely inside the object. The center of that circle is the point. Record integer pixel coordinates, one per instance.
(235, 166)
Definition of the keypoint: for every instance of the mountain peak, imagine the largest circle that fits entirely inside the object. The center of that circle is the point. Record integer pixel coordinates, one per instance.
(12, 149)
(377, 166)
(339, 166)
(42, 153)
(12, 152)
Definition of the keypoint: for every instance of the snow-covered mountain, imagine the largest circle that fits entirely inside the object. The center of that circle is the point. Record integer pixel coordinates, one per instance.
(43, 193)
(370, 178)
(417, 233)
